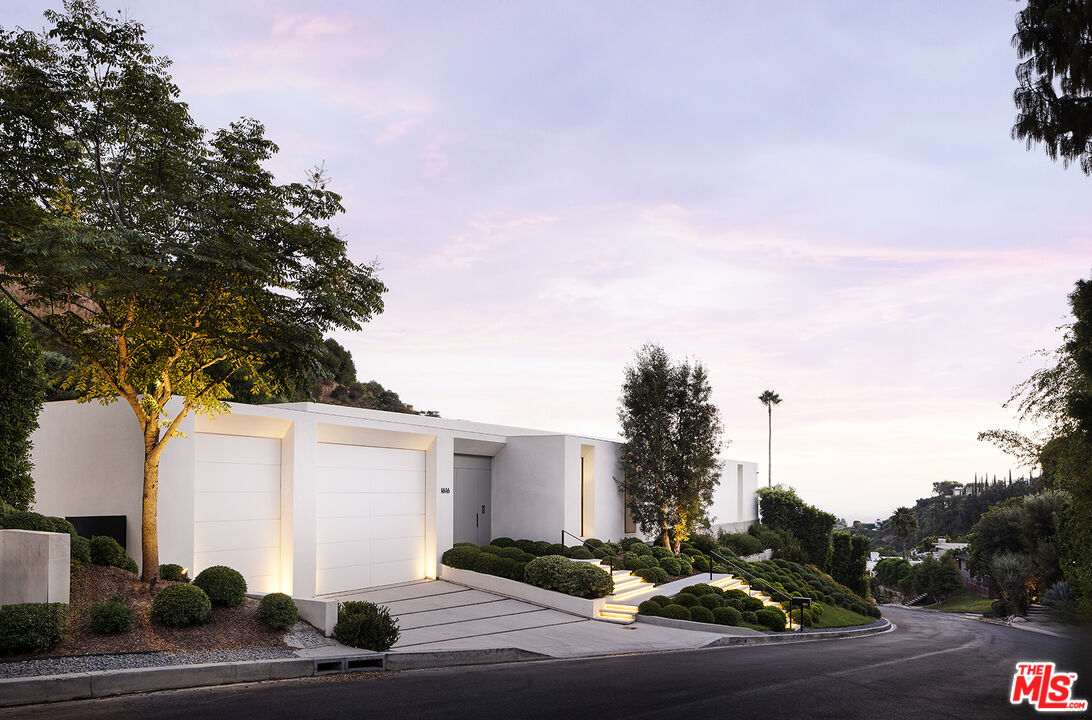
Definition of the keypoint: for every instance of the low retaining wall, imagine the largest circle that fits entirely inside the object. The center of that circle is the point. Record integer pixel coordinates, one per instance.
(523, 591)
(35, 567)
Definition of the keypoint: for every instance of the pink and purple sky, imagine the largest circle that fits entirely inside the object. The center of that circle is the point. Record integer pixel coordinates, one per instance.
(819, 198)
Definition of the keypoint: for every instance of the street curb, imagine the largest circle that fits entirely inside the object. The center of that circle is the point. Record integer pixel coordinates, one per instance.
(804, 636)
(455, 658)
(109, 683)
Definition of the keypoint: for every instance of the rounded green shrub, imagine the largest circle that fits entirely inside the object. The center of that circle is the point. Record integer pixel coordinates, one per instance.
(171, 572)
(699, 613)
(771, 619)
(649, 608)
(558, 549)
(491, 549)
(749, 617)
(223, 585)
(671, 566)
(675, 612)
(685, 568)
(80, 551)
(107, 551)
(661, 600)
(365, 625)
(32, 627)
(652, 574)
(659, 552)
(712, 600)
(686, 599)
(628, 542)
(503, 542)
(514, 553)
(461, 557)
(545, 572)
(594, 542)
(487, 563)
(735, 593)
(742, 543)
(587, 581)
(278, 611)
(580, 553)
(639, 549)
(635, 562)
(700, 563)
(726, 616)
(111, 617)
(540, 548)
(751, 603)
(699, 589)
(181, 606)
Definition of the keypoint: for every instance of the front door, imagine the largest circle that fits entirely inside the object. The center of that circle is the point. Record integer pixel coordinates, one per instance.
(471, 501)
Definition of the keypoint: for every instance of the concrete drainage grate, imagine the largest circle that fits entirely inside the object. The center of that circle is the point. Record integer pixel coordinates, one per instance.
(334, 665)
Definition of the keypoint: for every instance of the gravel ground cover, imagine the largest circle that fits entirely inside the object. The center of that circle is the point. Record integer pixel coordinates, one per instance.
(233, 634)
(124, 661)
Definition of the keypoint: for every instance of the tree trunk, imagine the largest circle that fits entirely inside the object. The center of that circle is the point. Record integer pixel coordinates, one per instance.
(149, 531)
(769, 450)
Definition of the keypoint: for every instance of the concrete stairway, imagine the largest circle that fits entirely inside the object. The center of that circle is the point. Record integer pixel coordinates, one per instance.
(630, 591)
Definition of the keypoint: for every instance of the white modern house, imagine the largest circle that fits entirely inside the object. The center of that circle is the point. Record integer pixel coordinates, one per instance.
(312, 499)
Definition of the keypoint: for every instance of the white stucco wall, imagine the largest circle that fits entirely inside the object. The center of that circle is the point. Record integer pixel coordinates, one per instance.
(89, 460)
(529, 479)
(734, 499)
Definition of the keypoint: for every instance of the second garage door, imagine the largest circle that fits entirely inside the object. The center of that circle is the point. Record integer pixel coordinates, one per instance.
(370, 516)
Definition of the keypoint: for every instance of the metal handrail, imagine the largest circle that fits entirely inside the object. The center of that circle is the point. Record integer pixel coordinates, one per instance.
(769, 587)
(765, 582)
(592, 548)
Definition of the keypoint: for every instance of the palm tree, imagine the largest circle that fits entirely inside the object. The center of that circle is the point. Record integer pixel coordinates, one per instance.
(769, 398)
(905, 523)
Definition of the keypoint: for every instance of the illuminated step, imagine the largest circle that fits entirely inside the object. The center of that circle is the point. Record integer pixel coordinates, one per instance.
(620, 607)
(630, 594)
(610, 615)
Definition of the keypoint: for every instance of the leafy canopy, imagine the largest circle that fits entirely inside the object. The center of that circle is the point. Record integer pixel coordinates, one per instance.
(1054, 97)
(167, 258)
(672, 434)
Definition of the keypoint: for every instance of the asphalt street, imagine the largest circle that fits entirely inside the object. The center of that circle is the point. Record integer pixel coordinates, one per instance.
(934, 665)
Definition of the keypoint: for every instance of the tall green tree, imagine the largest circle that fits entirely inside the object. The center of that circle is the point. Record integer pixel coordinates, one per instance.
(769, 398)
(1054, 97)
(167, 258)
(782, 509)
(1058, 399)
(905, 523)
(22, 391)
(672, 434)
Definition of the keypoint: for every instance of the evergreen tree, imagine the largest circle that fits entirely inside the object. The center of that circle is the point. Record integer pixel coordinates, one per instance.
(22, 390)
(672, 433)
(1054, 99)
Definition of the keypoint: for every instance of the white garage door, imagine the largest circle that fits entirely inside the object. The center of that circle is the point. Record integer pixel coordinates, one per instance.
(237, 507)
(370, 516)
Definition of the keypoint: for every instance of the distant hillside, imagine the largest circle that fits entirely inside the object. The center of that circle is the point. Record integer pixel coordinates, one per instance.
(949, 513)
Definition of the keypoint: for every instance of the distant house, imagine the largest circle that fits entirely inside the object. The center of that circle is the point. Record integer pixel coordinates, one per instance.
(314, 499)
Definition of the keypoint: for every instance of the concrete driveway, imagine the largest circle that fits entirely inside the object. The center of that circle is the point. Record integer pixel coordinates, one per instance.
(440, 615)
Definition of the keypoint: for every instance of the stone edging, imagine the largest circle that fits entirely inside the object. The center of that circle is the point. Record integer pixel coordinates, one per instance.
(747, 636)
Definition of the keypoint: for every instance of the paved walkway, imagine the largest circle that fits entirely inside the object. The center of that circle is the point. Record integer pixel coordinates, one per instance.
(440, 615)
